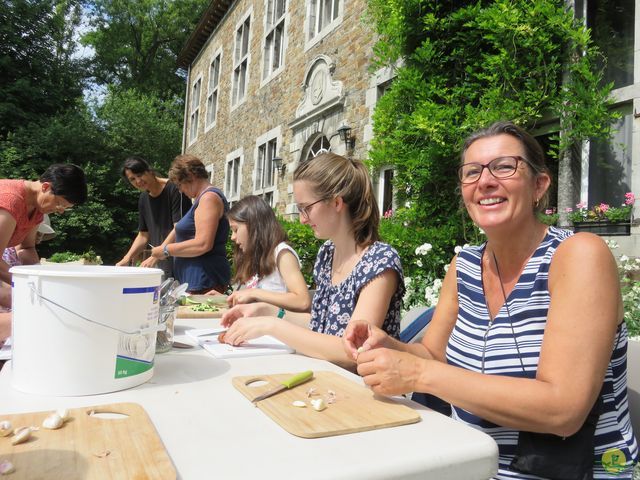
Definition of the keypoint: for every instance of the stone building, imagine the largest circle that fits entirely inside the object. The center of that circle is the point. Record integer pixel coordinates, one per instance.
(277, 79)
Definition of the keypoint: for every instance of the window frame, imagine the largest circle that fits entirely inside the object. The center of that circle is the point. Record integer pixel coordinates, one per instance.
(236, 160)
(210, 92)
(238, 61)
(273, 136)
(267, 70)
(194, 111)
(313, 34)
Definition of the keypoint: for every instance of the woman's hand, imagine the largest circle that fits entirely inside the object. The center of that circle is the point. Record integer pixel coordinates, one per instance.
(245, 310)
(389, 372)
(244, 329)
(361, 336)
(214, 293)
(150, 262)
(158, 252)
(241, 296)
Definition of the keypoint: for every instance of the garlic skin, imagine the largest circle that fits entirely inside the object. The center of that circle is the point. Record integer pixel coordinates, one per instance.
(21, 435)
(318, 404)
(299, 404)
(5, 428)
(53, 422)
(6, 467)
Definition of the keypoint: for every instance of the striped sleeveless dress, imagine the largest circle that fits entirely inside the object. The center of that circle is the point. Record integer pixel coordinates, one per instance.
(528, 306)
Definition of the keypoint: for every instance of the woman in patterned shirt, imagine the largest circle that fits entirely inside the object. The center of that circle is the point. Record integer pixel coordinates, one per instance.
(356, 275)
(528, 341)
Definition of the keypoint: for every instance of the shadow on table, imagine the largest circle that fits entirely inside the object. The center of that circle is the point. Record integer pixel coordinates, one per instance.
(185, 368)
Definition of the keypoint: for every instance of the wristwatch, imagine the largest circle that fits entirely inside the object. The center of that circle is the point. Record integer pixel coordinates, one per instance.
(165, 250)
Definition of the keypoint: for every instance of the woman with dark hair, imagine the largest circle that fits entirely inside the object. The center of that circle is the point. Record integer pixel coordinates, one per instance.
(528, 341)
(267, 268)
(160, 207)
(356, 275)
(24, 203)
(197, 242)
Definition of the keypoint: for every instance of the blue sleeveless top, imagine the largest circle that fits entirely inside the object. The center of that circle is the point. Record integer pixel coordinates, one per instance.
(212, 267)
(528, 305)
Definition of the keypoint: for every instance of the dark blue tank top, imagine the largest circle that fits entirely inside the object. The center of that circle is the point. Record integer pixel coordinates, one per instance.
(212, 267)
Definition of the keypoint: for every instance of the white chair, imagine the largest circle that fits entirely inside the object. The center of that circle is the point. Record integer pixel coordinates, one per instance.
(633, 384)
(414, 323)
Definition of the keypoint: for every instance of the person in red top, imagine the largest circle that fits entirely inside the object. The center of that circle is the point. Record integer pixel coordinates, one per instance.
(24, 203)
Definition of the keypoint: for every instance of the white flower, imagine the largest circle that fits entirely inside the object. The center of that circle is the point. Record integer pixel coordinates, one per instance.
(424, 249)
(407, 281)
(457, 249)
(624, 258)
(419, 262)
(446, 267)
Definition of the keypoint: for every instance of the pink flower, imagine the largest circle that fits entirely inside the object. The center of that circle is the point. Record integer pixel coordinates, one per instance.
(603, 207)
(581, 205)
(629, 198)
(568, 210)
(548, 211)
(388, 214)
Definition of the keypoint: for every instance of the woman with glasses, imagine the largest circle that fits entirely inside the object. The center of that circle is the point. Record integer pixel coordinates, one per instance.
(528, 341)
(23, 204)
(356, 275)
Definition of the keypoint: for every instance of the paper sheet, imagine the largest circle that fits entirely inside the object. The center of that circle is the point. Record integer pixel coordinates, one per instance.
(265, 345)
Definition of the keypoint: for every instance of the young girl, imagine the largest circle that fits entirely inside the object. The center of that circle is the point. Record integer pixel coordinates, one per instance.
(356, 275)
(267, 268)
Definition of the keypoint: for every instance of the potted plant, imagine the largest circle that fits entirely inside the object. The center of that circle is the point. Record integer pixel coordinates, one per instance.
(603, 219)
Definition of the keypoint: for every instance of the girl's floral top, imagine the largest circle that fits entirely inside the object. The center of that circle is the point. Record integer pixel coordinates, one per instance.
(333, 305)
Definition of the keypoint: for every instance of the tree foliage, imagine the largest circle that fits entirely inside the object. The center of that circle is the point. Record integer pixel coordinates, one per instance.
(465, 65)
(137, 43)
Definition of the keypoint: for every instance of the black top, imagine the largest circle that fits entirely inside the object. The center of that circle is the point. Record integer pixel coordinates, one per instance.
(157, 215)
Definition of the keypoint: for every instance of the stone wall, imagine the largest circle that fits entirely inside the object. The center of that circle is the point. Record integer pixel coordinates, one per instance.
(344, 55)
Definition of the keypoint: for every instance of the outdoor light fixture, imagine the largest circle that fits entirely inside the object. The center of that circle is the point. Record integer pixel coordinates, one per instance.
(278, 165)
(345, 135)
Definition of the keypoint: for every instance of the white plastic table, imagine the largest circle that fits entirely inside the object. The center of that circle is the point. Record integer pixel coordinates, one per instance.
(212, 431)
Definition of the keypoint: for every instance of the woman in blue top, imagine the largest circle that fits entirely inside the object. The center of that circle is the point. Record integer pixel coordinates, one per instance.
(356, 275)
(198, 240)
(528, 341)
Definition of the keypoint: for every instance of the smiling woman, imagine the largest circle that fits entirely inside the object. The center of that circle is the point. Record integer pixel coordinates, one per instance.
(24, 203)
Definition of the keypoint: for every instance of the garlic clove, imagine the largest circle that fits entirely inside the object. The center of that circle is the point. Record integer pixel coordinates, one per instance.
(21, 435)
(6, 467)
(5, 428)
(318, 404)
(63, 413)
(53, 422)
(299, 404)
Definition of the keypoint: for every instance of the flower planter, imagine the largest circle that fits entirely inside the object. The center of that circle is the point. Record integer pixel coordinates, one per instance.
(603, 228)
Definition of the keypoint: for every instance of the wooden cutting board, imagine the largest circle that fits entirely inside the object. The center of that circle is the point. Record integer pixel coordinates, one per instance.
(186, 312)
(89, 447)
(355, 409)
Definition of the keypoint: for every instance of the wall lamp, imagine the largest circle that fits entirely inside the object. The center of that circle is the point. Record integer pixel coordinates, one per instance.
(345, 135)
(279, 165)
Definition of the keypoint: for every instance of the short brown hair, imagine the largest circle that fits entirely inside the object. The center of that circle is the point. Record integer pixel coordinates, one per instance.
(333, 176)
(186, 168)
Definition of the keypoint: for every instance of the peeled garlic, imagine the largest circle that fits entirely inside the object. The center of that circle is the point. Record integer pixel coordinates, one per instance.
(6, 467)
(360, 349)
(5, 428)
(63, 413)
(299, 404)
(318, 404)
(21, 435)
(53, 421)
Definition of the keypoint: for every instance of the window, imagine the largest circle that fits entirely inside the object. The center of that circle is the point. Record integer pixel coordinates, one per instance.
(385, 190)
(264, 175)
(323, 16)
(232, 175)
(194, 110)
(241, 62)
(274, 37)
(213, 90)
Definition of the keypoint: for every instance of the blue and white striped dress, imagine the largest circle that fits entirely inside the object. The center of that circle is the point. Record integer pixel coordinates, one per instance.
(528, 306)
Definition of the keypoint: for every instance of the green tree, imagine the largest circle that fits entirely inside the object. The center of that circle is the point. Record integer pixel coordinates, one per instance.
(136, 43)
(40, 76)
(465, 65)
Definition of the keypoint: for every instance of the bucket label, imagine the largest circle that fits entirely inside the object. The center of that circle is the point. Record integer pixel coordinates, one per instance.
(128, 367)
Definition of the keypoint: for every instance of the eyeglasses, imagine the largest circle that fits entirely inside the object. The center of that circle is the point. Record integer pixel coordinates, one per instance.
(501, 167)
(306, 210)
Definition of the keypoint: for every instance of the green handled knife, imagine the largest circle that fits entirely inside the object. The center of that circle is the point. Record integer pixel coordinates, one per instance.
(287, 384)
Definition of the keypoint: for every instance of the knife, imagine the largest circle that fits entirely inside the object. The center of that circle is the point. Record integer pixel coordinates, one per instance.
(287, 384)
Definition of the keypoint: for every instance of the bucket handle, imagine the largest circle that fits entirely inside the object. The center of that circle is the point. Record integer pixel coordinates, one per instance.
(142, 331)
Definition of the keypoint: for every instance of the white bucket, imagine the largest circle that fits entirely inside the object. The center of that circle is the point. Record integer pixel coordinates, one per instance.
(82, 329)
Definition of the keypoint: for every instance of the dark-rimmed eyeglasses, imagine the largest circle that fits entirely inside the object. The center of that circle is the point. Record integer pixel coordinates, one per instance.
(501, 167)
(306, 210)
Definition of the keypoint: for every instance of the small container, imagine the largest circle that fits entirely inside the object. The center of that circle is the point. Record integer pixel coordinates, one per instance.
(164, 340)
